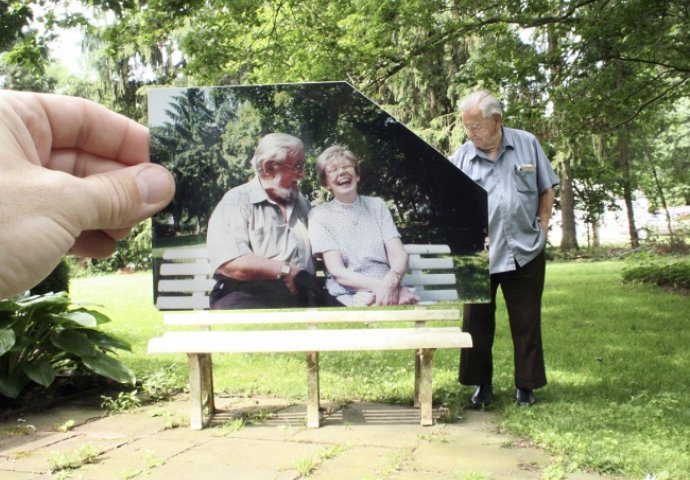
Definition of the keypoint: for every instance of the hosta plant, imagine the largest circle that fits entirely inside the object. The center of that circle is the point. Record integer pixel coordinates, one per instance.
(43, 335)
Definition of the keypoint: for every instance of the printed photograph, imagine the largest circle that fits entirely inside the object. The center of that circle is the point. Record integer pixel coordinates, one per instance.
(307, 195)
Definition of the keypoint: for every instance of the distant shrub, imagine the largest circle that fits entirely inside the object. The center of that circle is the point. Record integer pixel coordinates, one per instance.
(669, 274)
(56, 281)
(133, 253)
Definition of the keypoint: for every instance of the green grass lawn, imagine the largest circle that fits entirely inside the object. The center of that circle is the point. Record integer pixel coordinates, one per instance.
(617, 361)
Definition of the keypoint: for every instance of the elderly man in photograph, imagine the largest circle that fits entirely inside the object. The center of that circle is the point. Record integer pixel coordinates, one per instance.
(257, 235)
(512, 167)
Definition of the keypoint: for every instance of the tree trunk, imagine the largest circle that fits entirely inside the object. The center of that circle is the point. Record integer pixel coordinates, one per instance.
(567, 196)
(662, 196)
(596, 238)
(625, 162)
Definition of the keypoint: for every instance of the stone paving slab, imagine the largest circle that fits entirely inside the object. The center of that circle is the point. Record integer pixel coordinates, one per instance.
(265, 438)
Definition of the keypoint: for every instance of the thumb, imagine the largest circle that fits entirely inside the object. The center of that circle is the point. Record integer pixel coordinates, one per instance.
(123, 197)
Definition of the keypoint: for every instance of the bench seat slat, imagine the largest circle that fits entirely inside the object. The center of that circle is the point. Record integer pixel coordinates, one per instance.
(336, 340)
(328, 315)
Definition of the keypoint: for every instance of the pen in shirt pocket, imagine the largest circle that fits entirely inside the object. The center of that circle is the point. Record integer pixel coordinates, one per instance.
(524, 168)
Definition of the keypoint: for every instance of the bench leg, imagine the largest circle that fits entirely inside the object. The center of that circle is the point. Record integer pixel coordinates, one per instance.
(313, 420)
(425, 390)
(200, 390)
(417, 357)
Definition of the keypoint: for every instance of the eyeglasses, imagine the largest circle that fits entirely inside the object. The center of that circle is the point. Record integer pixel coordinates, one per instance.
(333, 169)
(473, 128)
(295, 168)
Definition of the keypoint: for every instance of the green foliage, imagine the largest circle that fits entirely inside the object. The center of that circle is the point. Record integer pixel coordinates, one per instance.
(132, 253)
(21, 77)
(14, 16)
(123, 402)
(70, 460)
(56, 281)
(43, 335)
(187, 144)
(155, 387)
(161, 384)
(306, 467)
(674, 274)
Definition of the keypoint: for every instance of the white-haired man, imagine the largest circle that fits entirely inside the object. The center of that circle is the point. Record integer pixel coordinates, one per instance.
(512, 167)
(257, 235)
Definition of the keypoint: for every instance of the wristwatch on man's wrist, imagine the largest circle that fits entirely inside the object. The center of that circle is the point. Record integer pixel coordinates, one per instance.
(284, 270)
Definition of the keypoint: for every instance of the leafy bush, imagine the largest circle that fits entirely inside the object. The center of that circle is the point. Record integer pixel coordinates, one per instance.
(56, 281)
(670, 274)
(133, 253)
(43, 335)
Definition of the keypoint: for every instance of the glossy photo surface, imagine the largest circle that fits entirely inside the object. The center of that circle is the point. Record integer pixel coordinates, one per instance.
(207, 136)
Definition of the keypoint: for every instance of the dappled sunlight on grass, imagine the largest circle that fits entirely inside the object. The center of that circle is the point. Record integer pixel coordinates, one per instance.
(572, 379)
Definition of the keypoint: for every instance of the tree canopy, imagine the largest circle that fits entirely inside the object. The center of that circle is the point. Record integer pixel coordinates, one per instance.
(604, 84)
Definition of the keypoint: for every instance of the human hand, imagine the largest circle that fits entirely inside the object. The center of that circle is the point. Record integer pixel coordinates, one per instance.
(289, 279)
(75, 179)
(387, 291)
(407, 297)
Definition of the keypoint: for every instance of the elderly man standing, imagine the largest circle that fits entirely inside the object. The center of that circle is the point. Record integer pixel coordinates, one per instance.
(512, 167)
(257, 235)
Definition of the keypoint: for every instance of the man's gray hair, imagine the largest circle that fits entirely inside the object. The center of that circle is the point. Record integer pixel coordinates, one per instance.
(277, 147)
(484, 101)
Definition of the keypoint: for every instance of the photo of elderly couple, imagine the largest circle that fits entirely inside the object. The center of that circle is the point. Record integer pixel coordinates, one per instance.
(307, 195)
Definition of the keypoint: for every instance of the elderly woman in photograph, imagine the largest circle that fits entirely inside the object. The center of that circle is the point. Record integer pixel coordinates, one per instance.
(355, 234)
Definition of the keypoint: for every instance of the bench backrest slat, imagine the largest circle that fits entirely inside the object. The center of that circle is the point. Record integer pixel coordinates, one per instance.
(186, 302)
(421, 263)
(186, 268)
(427, 249)
(193, 285)
(433, 296)
(417, 279)
(185, 253)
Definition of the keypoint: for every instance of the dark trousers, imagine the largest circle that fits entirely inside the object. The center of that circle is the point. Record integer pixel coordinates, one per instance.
(522, 290)
(230, 294)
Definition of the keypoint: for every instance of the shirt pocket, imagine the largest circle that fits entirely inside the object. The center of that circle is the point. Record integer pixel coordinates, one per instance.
(526, 181)
(268, 242)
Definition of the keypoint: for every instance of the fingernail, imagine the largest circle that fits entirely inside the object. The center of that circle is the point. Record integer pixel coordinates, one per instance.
(154, 184)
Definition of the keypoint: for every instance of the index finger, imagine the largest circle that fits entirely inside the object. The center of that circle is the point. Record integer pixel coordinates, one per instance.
(77, 123)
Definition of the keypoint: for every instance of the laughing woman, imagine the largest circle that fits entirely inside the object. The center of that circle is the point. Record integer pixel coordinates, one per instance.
(356, 237)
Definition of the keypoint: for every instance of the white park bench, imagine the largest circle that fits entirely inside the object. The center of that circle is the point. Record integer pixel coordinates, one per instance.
(185, 282)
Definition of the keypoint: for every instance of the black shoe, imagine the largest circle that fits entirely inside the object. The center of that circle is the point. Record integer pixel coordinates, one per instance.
(525, 397)
(482, 397)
